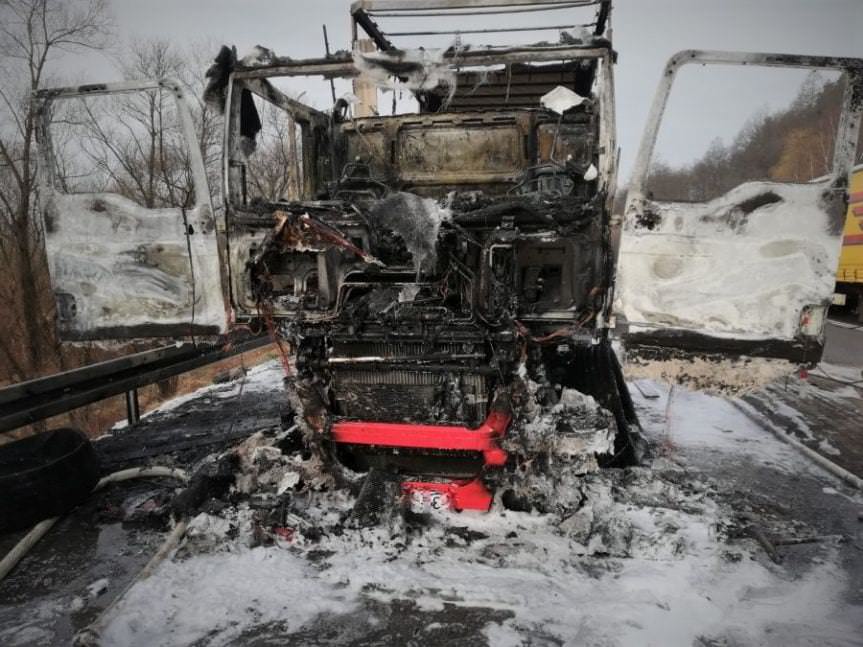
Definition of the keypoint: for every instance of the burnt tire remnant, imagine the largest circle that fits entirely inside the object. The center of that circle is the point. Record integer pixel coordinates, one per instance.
(45, 475)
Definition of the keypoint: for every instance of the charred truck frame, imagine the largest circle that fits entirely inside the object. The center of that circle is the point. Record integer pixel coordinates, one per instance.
(445, 280)
(443, 250)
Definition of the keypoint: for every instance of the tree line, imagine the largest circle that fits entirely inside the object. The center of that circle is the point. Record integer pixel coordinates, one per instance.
(790, 145)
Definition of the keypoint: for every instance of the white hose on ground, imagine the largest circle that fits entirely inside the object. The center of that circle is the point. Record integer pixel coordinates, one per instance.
(142, 472)
(170, 543)
(25, 544)
(41, 529)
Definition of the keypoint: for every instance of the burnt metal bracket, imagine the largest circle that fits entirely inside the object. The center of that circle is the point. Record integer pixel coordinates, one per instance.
(602, 18)
(361, 18)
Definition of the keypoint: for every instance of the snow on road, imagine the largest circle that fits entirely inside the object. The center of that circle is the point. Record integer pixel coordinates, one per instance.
(652, 557)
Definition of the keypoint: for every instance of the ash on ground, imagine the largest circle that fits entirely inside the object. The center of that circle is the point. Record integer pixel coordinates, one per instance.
(669, 552)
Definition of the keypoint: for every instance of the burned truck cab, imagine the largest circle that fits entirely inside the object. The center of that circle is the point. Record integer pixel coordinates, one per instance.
(426, 233)
(435, 267)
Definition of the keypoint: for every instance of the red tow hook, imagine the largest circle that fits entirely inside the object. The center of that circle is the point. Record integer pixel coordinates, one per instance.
(458, 495)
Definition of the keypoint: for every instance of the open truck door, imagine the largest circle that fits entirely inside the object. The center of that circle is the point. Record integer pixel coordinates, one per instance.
(745, 267)
(132, 240)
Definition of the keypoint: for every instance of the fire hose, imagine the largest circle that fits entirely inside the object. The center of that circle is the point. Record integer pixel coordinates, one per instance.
(41, 529)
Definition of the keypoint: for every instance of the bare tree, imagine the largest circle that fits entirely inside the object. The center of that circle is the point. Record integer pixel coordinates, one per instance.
(790, 145)
(132, 143)
(33, 33)
(273, 168)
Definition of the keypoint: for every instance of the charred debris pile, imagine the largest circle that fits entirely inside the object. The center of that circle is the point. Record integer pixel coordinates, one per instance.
(435, 311)
(272, 487)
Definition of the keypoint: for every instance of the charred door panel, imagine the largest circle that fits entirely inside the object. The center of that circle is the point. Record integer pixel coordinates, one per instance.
(132, 244)
(749, 272)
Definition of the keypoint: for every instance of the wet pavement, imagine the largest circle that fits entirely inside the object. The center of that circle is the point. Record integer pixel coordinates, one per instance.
(50, 594)
(193, 427)
(401, 622)
(778, 488)
(824, 409)
(45, 600)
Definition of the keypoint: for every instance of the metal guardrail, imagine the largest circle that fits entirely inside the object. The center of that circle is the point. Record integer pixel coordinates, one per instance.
(28, 402)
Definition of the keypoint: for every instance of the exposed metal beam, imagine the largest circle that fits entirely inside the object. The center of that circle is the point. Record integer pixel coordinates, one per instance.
(369, 26)
(498, 30)
(474, 12)
(411, 5)
(602, 17)
(362, 14)
(479, 56)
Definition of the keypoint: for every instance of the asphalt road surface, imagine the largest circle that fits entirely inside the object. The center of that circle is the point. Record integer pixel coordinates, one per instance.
(844, 343)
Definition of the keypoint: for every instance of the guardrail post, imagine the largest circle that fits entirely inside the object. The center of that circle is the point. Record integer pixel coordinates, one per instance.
(133, 409)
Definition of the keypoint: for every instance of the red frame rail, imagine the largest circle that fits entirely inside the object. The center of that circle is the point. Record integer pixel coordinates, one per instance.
(460, 495)
(417, 436)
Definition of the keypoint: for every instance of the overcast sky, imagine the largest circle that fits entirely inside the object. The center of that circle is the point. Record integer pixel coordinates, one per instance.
(646, 33)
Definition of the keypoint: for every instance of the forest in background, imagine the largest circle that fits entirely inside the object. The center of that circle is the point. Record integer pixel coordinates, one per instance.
(791, 145)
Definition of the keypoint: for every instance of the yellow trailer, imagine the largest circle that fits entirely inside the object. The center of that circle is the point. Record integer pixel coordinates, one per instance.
(849, 276)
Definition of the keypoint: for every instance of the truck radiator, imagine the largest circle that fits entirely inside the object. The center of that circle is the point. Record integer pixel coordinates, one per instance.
(410, 394)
